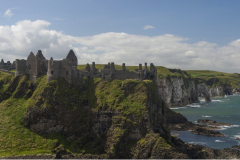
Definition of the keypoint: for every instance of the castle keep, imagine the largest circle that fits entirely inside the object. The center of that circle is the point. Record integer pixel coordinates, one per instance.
(37, 66)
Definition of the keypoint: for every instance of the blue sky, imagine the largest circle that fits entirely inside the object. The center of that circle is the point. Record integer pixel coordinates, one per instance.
(181, 33)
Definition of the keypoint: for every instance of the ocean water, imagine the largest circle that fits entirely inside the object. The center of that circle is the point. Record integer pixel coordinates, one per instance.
(223, 109)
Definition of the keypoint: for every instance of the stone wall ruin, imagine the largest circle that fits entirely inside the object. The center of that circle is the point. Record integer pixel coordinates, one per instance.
(37, 66)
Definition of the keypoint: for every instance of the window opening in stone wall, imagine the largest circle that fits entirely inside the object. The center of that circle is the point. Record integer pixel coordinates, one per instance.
(51, 72)
(67, 73)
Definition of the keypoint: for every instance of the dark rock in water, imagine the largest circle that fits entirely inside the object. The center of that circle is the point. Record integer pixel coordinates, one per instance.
(211, 122)
(236, 147)
(207, 132)
(236, 90)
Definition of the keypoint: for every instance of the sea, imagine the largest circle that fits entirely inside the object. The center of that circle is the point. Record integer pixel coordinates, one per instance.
(221, 109)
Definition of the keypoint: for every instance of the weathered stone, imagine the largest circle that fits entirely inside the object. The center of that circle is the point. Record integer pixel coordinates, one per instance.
(37, 65)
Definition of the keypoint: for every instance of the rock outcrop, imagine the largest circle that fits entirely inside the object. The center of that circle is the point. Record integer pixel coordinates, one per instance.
(211, 122)
(177, 91)
(207, 132)
(108, 119)
(213, 87)
(111, 116)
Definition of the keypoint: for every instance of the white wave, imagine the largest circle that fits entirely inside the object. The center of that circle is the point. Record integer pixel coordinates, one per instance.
(218, 140)
(206, 116)
(194, 105)
(178, 107)
(201, 143)
(174, 108)
(227, 127)
(235, 125)
(217, 101)
(236, 136)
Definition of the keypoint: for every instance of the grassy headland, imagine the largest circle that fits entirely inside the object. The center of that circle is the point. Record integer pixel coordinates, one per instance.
(211, 78)
(128, 98)
(215, 77)
(162, 71)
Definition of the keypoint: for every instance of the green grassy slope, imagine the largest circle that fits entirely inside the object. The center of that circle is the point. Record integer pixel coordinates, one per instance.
(15, 139)
(232, 79)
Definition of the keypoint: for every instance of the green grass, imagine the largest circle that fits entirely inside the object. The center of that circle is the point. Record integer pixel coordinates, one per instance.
(5, 77)
(13, 71)
(16, 139)
(232, 79)
(127, 97)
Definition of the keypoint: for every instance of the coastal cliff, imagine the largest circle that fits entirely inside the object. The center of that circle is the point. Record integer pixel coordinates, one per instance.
(179, 88)
(177, 91)
(214, 91)
(91, 118)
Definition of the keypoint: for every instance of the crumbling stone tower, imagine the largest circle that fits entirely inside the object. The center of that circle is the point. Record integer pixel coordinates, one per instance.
(35, 66)
(66, 68)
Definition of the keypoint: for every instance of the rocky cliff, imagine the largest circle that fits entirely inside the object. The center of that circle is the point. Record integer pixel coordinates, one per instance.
(213, 87)
(102, 116)
(177, 91)
(91, 118)
(178, 88)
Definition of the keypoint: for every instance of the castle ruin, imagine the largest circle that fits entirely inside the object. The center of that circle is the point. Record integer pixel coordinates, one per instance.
(37, 66)
(7, 66)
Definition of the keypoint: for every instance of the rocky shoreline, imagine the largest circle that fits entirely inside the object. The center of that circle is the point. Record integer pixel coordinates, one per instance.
(211, 122)
(198, 129)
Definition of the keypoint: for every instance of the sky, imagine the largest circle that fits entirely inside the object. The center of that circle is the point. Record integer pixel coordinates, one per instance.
(184, 34)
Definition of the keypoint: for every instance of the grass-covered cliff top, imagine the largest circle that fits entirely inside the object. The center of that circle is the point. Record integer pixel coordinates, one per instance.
(162, 71)
(215, 77)
(128, 98)
(211, 78)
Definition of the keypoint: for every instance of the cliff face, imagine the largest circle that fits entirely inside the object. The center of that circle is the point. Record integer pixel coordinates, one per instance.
(177, 91)
(94, 119)
(180, 91)
(221, 90)
(103, 116)
(212, 91)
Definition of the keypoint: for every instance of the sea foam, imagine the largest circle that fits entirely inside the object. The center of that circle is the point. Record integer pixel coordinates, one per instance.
(206, 116)
(217, 101)
(227, 127)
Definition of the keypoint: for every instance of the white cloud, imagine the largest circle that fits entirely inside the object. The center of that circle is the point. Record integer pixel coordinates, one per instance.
(148, 27)
(8, 13)
(18, 40)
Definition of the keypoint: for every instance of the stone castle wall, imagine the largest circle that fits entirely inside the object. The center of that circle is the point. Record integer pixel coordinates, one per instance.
(37, 65)
(20, 67)
(7, 66)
